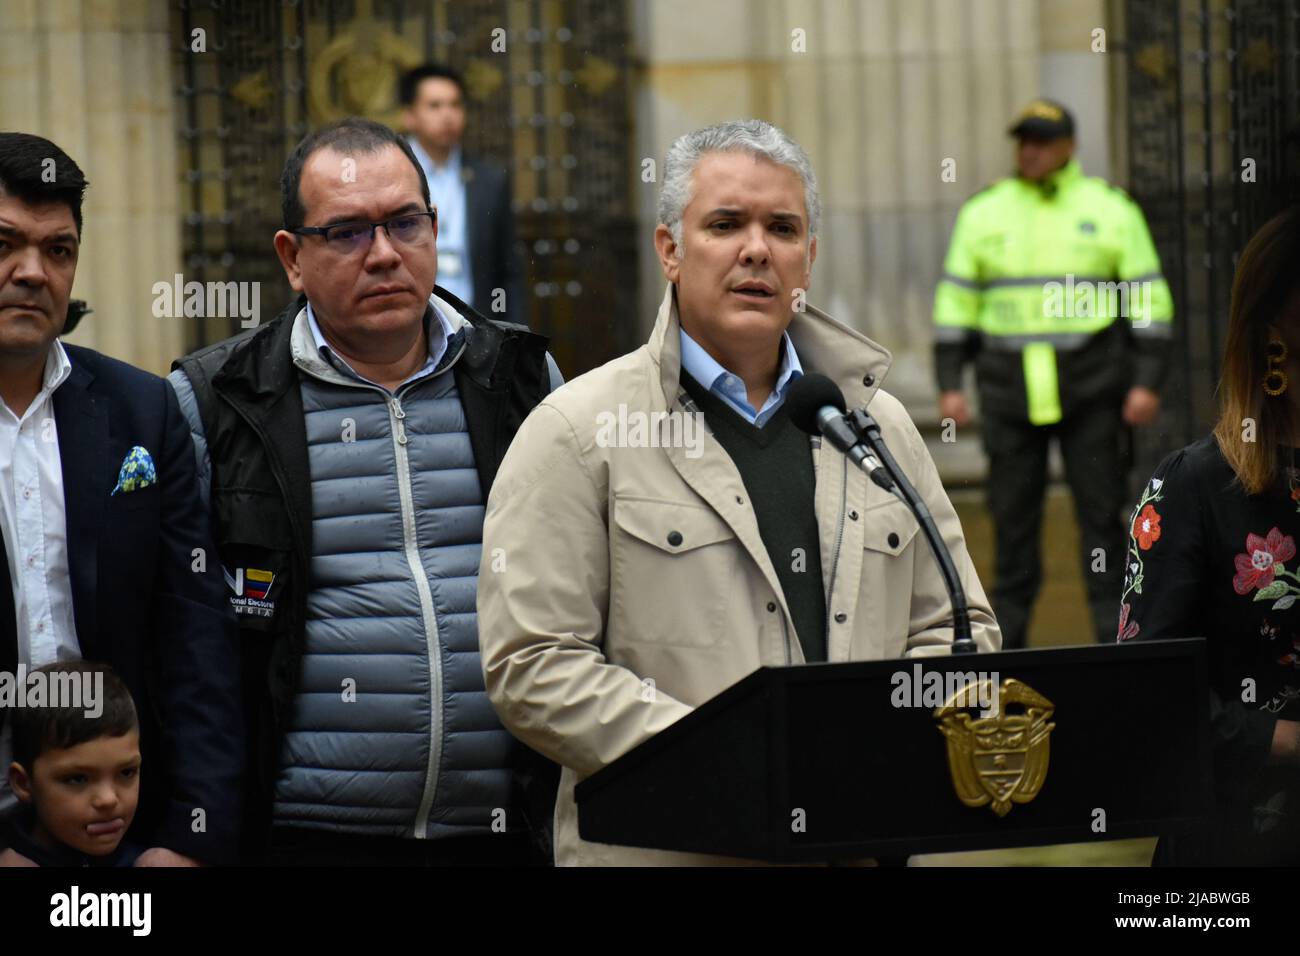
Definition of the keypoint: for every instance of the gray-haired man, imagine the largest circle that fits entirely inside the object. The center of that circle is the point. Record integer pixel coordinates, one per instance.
(635, 566)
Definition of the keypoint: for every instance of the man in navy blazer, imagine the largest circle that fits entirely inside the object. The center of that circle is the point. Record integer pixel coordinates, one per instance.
(105, 539)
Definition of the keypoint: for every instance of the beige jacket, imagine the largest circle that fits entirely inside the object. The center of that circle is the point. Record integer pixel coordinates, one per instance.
(583, 601)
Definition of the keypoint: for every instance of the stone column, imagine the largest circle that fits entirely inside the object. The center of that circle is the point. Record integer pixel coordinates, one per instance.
(94, 76)
(1073, 73)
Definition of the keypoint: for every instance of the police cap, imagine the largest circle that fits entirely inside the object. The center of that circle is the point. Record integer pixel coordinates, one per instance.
(1043, 119)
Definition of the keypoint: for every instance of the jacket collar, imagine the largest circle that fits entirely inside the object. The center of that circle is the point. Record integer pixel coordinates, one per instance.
(259, 380)
(1055, 181)
(1070, 173)
(24, 842)
(848, 358)
(306, 346)
(264, 367)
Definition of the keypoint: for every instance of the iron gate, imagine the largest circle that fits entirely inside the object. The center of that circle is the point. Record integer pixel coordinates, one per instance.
(553, 107)
(1211, 89)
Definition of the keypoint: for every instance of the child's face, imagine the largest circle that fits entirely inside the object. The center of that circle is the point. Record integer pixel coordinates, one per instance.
(85, 796)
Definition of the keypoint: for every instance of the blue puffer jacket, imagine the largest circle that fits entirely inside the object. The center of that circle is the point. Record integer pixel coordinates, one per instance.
(391, 732)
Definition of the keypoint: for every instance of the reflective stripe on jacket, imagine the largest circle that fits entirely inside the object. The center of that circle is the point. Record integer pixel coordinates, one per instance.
(1036, 270)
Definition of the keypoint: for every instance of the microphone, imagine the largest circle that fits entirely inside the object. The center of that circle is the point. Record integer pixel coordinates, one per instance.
(817, 407)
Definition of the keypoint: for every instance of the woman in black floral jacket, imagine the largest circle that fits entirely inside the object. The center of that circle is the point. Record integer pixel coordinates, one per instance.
(1212, 553)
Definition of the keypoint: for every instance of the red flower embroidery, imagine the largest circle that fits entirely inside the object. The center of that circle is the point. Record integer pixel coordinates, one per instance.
(1255, 567)
(1146, 527)
(1127, 629)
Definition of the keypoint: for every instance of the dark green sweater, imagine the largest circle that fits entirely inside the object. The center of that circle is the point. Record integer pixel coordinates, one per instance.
(775, 463)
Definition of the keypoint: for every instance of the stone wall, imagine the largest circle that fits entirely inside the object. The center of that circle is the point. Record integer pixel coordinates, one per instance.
(93, 76)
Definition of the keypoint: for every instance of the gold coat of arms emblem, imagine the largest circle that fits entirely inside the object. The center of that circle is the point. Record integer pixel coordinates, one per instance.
(1002, 758)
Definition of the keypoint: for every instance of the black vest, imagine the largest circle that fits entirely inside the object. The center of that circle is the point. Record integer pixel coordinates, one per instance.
(249, 398)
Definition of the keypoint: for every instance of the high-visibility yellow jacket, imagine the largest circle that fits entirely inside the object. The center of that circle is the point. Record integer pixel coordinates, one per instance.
(1055, 289)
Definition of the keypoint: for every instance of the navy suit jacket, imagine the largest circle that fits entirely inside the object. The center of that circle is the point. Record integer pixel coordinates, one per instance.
(148, 599)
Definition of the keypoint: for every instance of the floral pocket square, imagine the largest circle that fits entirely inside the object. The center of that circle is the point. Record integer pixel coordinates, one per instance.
(137, 471)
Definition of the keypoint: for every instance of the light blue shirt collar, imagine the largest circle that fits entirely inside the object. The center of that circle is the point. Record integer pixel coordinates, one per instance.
(706, 370)
(439, 332)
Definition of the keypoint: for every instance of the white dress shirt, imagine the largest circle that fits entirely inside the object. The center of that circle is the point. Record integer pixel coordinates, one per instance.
(33, 518)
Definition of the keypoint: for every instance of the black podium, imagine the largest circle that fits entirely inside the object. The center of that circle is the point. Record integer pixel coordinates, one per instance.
(836, 761)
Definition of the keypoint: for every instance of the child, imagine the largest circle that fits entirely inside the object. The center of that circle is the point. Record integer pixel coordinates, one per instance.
(78, 774)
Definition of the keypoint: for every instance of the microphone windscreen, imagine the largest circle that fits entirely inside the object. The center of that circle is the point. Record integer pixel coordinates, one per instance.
(808, 395)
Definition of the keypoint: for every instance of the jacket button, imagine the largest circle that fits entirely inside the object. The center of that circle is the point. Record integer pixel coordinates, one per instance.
(739, 500)
(869, 380)
(674, 538)
(893, 540)
(771, 605)
(841, 617)
(853, 516)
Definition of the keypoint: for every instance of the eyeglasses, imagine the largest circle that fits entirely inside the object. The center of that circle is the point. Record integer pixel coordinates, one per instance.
(408, 229)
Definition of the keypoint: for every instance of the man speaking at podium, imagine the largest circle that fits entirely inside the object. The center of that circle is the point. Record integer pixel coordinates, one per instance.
(636, 563)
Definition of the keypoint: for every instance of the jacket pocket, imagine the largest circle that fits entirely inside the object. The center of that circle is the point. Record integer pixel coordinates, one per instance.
(890, 568)
(148, 498)
(889, 528)
(255, 544)
(672, 571)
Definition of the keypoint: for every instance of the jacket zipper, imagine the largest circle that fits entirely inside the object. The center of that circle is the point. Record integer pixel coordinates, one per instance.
(433, 642)
(411, 547)
(396, 419)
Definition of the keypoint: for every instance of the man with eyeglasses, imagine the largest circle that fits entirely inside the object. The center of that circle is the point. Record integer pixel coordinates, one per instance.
(349, 446)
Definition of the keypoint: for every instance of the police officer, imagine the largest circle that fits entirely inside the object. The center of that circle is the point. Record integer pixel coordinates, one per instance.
(1052, 286)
